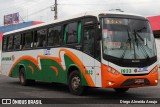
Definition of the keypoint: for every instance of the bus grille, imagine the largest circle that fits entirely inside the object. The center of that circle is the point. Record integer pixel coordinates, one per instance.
(131, 82)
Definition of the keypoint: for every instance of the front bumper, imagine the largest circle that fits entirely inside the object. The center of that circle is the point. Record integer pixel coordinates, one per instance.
(110, 80)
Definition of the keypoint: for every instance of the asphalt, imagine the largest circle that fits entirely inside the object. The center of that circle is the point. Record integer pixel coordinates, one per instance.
(10, 88)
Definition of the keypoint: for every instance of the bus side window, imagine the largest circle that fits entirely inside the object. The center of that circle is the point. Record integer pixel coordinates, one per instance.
(4, 48)
(50, 37)
(27, 40)
(54, 37)
(88, 40)
(61, 36)
(10, 43)
(17, 42)
(97, 45)
(40, 38)
(71, 33)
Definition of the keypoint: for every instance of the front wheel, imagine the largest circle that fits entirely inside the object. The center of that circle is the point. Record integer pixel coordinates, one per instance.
(121, 90)
(75, 86)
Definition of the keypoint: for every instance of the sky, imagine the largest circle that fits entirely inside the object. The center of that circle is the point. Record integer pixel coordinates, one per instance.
(39, 10)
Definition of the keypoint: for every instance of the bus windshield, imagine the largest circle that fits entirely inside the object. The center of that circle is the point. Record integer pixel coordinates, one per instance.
(128, 38)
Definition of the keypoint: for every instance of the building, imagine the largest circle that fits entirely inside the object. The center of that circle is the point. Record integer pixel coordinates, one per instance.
(155, 24)
(12, 27)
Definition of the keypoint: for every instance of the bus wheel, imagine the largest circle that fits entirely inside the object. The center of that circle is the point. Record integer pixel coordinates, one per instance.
(75, 83)
(22, 77)
(121, 90)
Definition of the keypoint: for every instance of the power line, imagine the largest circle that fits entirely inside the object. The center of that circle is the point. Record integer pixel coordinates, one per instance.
(124, 3)
(17, 9)
(34, 13)
(22, 4)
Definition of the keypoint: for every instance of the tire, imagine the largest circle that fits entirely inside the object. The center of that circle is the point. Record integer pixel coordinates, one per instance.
(22, 77)
(121, 90)
(74, 83)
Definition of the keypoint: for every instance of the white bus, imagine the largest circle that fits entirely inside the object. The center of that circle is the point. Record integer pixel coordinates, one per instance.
(94, 49)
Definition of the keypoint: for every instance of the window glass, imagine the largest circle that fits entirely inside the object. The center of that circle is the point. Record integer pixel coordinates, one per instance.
(4, 43)
(128, 38)
(88, 40)
(10, 43)
(17, 42)
(50, 38)
(71, 33)
(40, 38)
(27, 40)
(55, 36)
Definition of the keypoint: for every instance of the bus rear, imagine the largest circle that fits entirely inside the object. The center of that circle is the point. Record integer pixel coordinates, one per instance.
(129, 57)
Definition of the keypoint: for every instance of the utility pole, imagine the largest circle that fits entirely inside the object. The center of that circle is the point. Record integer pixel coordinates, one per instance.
(55, 17)
(54, 8)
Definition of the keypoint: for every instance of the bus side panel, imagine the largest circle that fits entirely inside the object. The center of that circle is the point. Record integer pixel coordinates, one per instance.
(7, 62)
(74, 57)
(52, 67)
(39, 66)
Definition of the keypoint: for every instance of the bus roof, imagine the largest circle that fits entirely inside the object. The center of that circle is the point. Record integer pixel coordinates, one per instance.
(89, 13)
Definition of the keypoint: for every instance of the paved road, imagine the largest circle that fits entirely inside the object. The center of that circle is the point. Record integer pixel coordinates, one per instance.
(10, 88)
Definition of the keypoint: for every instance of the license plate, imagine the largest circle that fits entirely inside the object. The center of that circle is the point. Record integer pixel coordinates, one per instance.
(139, 81)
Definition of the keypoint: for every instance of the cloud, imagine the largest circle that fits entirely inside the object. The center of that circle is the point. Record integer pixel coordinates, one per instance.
(39, 10)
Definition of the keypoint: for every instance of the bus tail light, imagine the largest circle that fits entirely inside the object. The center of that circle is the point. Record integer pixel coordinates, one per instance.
(113, 71)
(154, 69)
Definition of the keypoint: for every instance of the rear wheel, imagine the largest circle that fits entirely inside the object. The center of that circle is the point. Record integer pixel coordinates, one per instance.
(75, 86)
(121, 90)
(22, 78)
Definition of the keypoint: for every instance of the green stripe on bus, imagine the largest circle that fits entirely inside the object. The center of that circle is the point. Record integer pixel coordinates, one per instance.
(65, 34)
(79, 31)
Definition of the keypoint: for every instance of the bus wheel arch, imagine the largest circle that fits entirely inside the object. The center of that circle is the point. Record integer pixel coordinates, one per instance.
(20, 67)
(74, 81)
(70, 70)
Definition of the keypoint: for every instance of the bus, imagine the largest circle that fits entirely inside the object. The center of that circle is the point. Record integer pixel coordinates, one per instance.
(95, 49)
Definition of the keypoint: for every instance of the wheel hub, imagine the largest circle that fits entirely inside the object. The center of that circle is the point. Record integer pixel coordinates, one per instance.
(75, 83)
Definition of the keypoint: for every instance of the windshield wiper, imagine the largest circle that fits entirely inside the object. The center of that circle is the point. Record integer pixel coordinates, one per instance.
(129, 40)
(143, 41)
(141, 45)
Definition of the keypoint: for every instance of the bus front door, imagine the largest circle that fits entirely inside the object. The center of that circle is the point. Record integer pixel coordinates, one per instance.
(88, 50)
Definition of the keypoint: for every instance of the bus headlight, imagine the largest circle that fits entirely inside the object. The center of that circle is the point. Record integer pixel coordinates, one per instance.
(156, 81)
(113, 71)
(154, 69)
